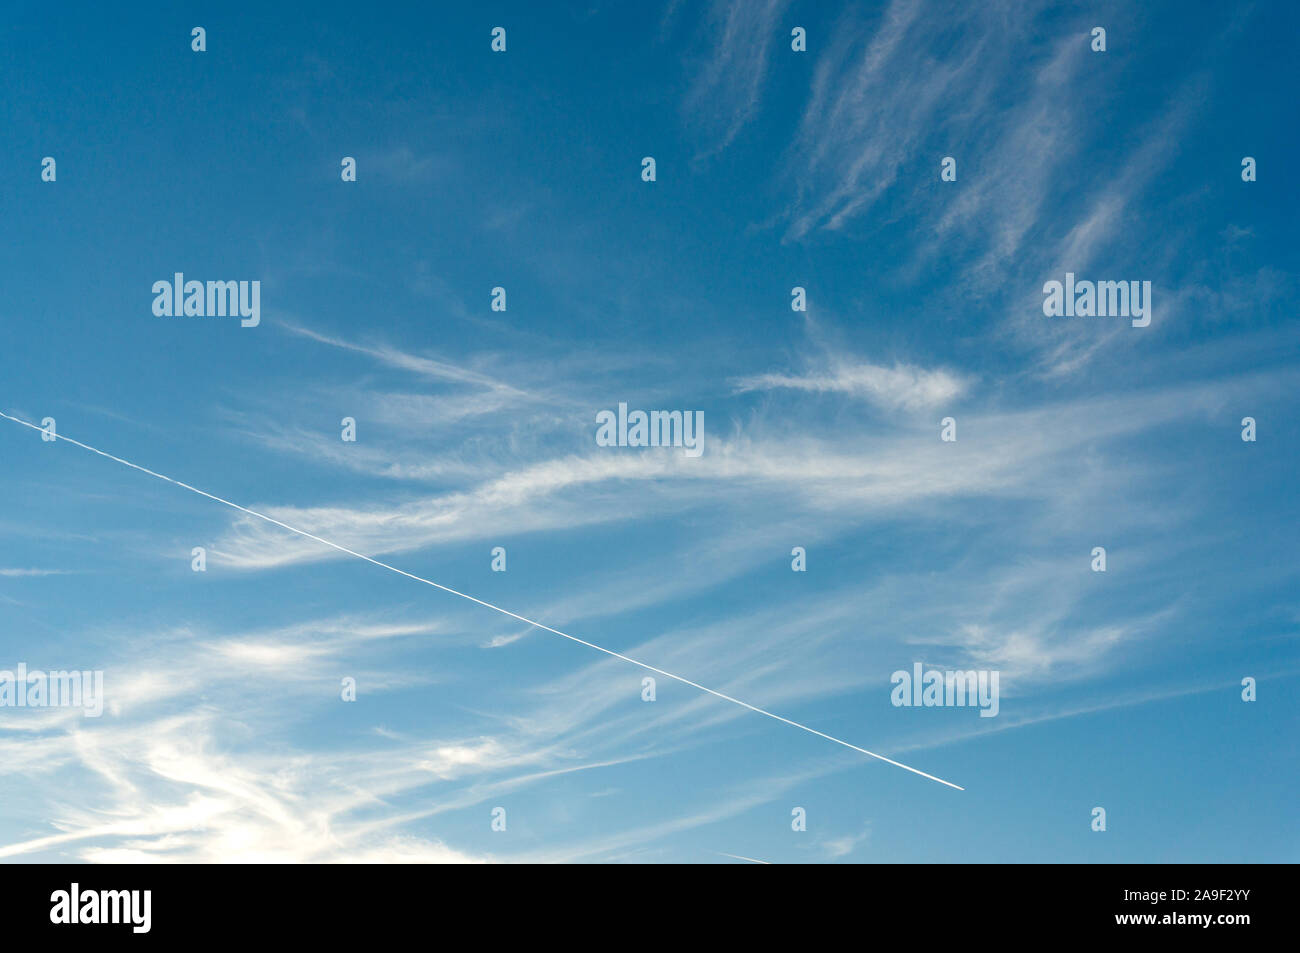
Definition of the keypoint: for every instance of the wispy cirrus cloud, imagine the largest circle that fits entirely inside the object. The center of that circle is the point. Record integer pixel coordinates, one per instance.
(875, 96)
(414, 363)
(727, 91)
(1023, 453)
(901, 387)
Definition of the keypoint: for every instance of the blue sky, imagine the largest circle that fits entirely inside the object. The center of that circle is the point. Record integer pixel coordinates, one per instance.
(224, 735)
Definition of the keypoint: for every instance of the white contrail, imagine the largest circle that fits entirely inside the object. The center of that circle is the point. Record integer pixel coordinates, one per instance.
(488, 605)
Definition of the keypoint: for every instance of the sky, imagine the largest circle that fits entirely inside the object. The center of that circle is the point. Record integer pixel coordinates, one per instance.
(226, 735)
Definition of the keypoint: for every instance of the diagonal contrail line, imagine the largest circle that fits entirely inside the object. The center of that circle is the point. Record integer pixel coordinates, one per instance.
(488, 605)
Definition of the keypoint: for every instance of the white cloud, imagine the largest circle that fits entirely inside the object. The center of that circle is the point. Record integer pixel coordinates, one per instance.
(725, 95)
(901, 387)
